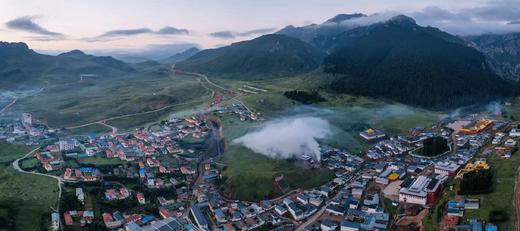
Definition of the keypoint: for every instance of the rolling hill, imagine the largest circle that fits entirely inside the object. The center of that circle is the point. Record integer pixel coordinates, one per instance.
(181, 56)
(266, 56)
(21, 67)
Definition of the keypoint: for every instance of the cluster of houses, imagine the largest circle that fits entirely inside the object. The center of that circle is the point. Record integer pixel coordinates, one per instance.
(241, 112)
(26, 130)
(159, 158)
(81, 217)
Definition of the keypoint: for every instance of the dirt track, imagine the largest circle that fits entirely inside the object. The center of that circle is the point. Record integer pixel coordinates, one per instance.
(516, 202)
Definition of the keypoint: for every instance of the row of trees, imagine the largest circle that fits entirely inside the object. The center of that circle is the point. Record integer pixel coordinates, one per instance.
(477, 182)
(304, 96)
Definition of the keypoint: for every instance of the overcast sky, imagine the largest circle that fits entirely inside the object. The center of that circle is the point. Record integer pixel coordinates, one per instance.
(121, 24)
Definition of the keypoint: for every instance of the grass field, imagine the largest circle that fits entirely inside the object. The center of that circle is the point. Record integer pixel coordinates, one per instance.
(501, 198)
(248, 181)
(97, 160)
(25, 200)
(83, 102)
(29, 197)
(250, 175)
(94, 128)
(10, 152)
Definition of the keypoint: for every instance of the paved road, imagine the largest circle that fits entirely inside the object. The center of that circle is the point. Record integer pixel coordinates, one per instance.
(516, 201)
(205, 77)
(8, 105)
(16, 166)
(127, 115)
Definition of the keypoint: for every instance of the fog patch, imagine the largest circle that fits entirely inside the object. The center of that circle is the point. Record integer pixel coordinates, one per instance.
(288, 137)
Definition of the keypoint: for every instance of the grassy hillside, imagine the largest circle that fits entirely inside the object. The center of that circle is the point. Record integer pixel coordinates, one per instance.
(268, 56)
(25, 200)
(401, 61)
(23, 68)
(93, 100)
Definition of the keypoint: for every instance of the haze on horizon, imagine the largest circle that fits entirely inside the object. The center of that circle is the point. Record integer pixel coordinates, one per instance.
(60, 25)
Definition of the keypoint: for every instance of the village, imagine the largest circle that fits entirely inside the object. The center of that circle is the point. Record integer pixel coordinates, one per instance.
(164, 177)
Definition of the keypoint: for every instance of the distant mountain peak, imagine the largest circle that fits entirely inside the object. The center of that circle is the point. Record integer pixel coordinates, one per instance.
(342, 17)
(17, 45)
(402, 20)
(72, 53)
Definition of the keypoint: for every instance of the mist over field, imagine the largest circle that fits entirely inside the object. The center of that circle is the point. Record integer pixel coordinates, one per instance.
(288, 137)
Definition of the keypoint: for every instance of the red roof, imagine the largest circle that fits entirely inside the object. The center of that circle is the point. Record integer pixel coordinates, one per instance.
(164, 213)
(107, 217)
(68, 219)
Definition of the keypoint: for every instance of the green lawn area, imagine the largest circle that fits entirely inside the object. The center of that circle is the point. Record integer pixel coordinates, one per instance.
(79, 103)
(501, 198)
(97, 160)
(389, 207)
(29, 163)
(27, 198)
(94, 128)
(250, 176)
(10, 152)
(431, 222)
(514, 109)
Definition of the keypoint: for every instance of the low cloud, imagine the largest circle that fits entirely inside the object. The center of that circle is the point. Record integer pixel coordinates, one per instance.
(27, 24)
(114, 34)
(223, 34)
(288, 138)
(494, 17)
(128, 32)
(231, 34)
(172, 30)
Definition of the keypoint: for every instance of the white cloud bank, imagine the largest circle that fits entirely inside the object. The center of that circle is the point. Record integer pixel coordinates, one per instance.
(286, 138)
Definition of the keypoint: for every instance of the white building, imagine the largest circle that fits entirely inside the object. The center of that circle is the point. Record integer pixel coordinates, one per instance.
(27, 119)
(515, 132)
(55, 217)
(80, 195)
(422, 191)
(68, 145)
(446, 168)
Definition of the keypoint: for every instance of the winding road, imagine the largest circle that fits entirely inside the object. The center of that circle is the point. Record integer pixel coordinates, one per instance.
(8, 105)
(126, 115)
(205, 77)
(516, 201)
(16, 166)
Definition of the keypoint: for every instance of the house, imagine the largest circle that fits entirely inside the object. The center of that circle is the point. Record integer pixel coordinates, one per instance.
(170, 224)
(335, 210)
(372, 134)
(80, 195)
(296, 212)
(164, 212)
(303, 198)
(199, 217)
(55, 219)
(515, 132)
(68, 144)
(220, 216)
(458, 212)
(349, 226)
(140, 198)
(446, 168)
(68, 218)
(422, 190)
(280, 209)
(510, 143)
(328, 225)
